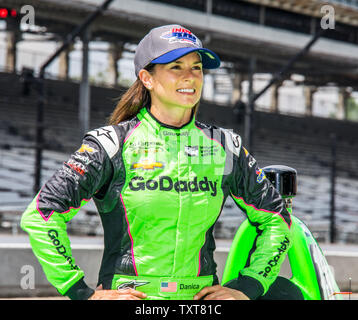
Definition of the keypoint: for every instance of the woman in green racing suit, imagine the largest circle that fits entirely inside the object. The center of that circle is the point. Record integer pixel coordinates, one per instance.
(159, 179)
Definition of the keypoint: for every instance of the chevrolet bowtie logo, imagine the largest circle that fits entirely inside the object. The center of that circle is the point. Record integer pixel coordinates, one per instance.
(86, 147)
(147, 165)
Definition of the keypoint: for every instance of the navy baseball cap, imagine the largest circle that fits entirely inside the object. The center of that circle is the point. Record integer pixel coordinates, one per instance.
(168, 43)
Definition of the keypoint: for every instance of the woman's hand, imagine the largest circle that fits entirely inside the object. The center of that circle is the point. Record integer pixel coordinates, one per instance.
(220, 293)
(123, 294)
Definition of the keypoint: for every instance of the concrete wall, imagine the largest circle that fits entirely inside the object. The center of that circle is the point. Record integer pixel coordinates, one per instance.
(18, 262)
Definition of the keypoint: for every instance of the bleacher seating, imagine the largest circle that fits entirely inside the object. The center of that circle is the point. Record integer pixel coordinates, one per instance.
(301, 143)
(16, 176)
(61, 130)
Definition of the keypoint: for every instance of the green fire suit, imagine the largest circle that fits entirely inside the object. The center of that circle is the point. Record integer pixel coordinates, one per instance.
(159, 191)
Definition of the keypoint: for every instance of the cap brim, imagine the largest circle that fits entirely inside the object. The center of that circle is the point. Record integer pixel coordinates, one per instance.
(209, 58)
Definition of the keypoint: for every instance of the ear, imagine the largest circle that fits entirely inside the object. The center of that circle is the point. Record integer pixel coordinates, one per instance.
(146, 78)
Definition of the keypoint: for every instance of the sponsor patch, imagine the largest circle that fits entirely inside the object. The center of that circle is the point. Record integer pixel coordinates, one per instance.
(145, 147)
(147, 165)
(168, 287)
(191, 151)
(108, 138)
(86, 148)
(132, 284)
(76, 166)
(165, 183)
(246, 152)
(260, 175)
(105, 132)
(61, 249)
(69, 173)
(203, 151)
(189, 286)
(233, 142)
(208, 150)
(274, 261)
(252, 161)
(181, 35)
(84, 159)
(176, 134)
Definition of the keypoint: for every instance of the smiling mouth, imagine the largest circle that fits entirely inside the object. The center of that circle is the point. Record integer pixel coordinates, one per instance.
(186, 90)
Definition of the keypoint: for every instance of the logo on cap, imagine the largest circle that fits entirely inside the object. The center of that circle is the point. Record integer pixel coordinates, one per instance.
(181, 35)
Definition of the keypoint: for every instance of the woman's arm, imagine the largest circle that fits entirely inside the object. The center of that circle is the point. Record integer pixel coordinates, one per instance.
(265, 209)
(72, 186)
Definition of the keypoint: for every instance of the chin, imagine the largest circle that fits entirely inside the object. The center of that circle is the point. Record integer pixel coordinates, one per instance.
(188, 105)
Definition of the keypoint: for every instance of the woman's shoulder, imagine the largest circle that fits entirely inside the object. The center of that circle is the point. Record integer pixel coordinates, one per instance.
(111, 137)
(202, 125)
(227, 137)
(107, 137)
(128, 122)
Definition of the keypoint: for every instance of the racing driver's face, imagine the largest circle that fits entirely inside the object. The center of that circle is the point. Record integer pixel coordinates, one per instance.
(178, 83)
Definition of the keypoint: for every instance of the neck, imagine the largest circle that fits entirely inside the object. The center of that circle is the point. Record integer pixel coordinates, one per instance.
(176, 117)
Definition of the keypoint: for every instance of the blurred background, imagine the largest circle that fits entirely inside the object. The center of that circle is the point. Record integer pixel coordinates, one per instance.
(288, 85)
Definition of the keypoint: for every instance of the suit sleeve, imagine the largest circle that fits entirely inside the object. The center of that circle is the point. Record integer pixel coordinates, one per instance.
(265, 210)
(58, 201)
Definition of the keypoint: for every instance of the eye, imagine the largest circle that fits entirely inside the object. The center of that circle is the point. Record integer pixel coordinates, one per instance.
(175, 67)
(197, 67)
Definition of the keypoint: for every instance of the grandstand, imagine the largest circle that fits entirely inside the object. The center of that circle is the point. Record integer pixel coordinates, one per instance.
(271, 31)
(305, 146)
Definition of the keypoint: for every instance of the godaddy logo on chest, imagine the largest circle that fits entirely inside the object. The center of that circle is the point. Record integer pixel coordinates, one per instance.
(166, 183)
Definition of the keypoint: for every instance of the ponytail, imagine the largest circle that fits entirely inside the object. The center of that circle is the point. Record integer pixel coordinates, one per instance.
(136, 97)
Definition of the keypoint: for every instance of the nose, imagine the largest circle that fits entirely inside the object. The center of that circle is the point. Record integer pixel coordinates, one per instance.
(188, 74)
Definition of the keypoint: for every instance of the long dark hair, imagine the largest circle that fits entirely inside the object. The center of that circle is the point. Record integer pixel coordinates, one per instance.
(135, 98)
